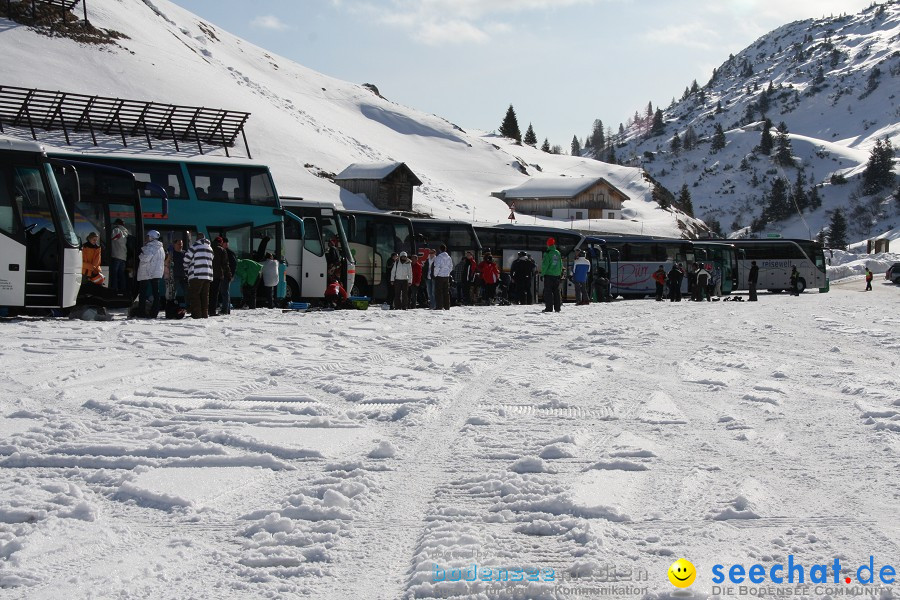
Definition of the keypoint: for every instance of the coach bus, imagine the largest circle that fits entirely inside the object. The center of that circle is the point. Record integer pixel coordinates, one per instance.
(309, 229)
(633, 259)
(776, 257)
(41, 264)
(373, 238)
(234, 199)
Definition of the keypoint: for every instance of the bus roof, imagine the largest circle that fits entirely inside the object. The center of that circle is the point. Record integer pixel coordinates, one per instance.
(288, 201)
(534, 229)
(191, 160)
(19, 145)
(766, 241)
(439, 221)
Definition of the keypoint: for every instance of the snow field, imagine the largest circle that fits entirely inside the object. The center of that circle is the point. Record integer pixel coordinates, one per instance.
(347, 454)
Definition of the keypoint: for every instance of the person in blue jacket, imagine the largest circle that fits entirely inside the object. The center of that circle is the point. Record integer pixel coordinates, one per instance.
(580, 270)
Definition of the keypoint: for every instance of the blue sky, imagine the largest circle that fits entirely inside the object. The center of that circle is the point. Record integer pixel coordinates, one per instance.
(560, 63)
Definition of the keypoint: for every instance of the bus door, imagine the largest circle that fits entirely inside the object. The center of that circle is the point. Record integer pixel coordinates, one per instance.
(613, 256)
(268, 238)
(13, 266)
(240, 242)
(313, 266)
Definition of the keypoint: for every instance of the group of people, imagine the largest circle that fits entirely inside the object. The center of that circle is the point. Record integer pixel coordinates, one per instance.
(703, 282)
(195, 280)
(426, 279)
(430, 270)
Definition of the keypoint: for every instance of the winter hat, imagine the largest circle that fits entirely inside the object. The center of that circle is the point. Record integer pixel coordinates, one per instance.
(551, 242)
(522, 253)
(153, 234)
(219, 240)
(403, 255)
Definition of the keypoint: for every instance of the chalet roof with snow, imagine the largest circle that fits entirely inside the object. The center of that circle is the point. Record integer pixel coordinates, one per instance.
(374, 170)
(557, 187)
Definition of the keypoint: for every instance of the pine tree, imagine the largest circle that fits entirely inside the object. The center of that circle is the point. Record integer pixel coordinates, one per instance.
(763, 104)
(837, 235)
(879, 173)
(545, 146)
(694, 87)
(719, 107)
(684, 201)
(597, 138)
(662, 196)
(689, 141)
(576, 146)
(718, 139)
(658, 127)
(815, 201)
(611, 157)
(530, 138)
(783, 152)
(777, 208)
(801, 200)
(510, 126)
(676, 143)
(765, 142)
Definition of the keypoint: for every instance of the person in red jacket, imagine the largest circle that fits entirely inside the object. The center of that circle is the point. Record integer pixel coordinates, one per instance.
(416, 280)
(659, 276)
(335, 294)
(490, 275)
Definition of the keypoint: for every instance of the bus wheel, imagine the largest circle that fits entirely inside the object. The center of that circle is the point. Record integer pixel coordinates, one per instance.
(292, 291)
(801, 285)
(361, 287)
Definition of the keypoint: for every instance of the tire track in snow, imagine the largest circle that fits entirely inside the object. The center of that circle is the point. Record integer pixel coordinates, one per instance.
(411, 490)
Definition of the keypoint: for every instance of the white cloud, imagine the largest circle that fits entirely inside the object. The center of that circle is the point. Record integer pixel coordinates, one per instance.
(437, 22)
(269, 22)
(690, 35)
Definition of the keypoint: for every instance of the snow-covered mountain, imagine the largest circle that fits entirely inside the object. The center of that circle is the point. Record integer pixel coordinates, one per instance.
(304, 125)
(833, 81)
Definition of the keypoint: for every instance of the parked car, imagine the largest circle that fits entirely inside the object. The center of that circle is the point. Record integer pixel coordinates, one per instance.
(893, 273)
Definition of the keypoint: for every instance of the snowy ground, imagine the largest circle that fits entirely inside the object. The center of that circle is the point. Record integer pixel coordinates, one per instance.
(344, 455)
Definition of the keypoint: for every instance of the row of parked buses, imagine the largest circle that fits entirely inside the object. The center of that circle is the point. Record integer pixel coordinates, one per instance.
(50, 203)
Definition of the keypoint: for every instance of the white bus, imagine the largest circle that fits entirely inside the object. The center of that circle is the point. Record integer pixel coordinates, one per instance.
(309, 227)
(41, 264)
(633, 260)
(775, 259)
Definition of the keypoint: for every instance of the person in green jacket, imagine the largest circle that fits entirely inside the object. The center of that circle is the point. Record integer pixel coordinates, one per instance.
(249, 270)
(551, 270)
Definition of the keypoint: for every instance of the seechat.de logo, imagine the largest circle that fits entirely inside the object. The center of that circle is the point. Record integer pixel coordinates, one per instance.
(682, 573)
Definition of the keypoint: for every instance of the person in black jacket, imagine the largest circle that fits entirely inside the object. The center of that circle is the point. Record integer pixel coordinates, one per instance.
(752, 278)
(675, 277)
(522, 274)
(218, 290)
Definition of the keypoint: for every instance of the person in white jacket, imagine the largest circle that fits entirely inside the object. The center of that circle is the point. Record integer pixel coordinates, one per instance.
(401, 277)
(443, 266)
(151, 266)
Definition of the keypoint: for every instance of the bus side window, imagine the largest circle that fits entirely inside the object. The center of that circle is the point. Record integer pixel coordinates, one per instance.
(8, 221)
(312, 240)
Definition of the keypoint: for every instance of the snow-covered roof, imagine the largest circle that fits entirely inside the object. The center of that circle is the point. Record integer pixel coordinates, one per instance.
(373, 170)
(553, 187)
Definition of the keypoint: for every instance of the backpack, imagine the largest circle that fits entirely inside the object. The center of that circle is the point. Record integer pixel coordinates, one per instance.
(174, 310)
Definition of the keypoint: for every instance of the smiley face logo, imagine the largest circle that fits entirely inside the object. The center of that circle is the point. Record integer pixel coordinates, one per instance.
(682, 573)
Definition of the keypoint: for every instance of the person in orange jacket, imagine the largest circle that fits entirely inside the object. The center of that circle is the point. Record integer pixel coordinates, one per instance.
(659, 276)
(90, 259)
